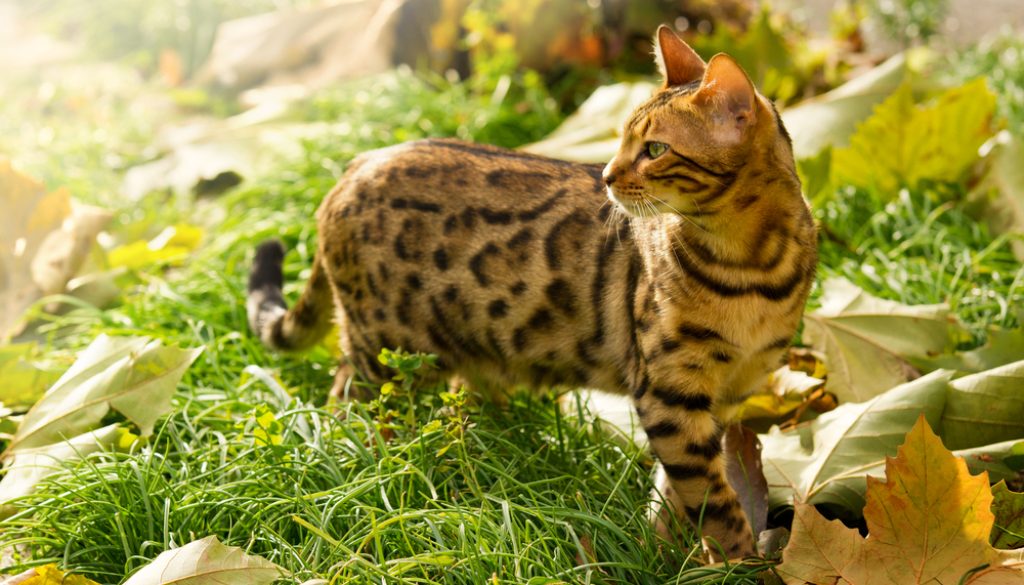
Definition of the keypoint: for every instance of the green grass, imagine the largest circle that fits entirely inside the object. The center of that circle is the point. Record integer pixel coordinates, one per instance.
(520, 495)
(523, 495)
(916, 250)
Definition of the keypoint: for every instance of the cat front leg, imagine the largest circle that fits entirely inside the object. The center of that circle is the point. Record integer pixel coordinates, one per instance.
(687, 439)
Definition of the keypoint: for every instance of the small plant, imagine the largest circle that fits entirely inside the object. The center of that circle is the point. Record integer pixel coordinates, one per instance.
(410, 369)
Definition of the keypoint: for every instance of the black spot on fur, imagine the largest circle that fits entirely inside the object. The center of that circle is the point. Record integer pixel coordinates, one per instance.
(451, 293)
(497, 308)
(535, 212)
(682, 472)
(662, 429)
(709, 449)
(698, 333)
(441, 259)
(694, 402)
(450, 223)
(561, 296)
(520, 239)
(720, 356)
(540, 320)
(519, 339)
(424, 206)
(476, 263)
(496, 217)
(469, 217)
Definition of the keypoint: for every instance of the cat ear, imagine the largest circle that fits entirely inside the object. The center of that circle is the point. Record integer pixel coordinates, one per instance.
(727, 88)
(678, 63)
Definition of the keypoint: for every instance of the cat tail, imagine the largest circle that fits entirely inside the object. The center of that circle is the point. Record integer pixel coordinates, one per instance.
(269, 317)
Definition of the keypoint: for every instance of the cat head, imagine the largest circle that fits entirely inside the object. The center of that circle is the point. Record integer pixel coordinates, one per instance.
(684, 148)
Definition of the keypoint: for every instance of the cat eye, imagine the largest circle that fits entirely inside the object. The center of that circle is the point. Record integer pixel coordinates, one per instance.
(656, 149)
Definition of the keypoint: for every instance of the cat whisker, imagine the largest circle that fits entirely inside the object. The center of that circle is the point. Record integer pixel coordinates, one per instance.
(686, 217)
(612, 221)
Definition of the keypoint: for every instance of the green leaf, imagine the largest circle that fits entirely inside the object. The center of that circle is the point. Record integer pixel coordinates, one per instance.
(902, 144)
(984, 408)
(1008, 508)
(815, 174)
(867, 341)
(134, 376)
(207, 562)
(24, 380)
(826, 462)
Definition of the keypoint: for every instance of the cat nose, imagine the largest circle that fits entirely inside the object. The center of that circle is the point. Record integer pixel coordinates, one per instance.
(608, 174)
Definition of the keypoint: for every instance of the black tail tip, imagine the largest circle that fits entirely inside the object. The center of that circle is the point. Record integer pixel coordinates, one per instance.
(266, 267)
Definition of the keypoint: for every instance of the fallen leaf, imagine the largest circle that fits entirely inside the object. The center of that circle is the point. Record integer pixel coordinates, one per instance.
(917, 544)
(47, 575)
(44, 238)
(1002, 347)
(771, 542)
(825, 462)
(928, 522)
(998, 199)
(24, 377)
(592, 133)
(171, 246)
(822, 551)
(27, 467)
(983, 408)
(1008, 508)
(135, 376)
(902, 144)
(207, 562)
(867, 341)
(829, 119)
(745, 475)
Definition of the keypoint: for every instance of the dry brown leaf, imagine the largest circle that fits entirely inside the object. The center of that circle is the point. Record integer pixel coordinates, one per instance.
(745, 474)
(44, 238)
(929, 522)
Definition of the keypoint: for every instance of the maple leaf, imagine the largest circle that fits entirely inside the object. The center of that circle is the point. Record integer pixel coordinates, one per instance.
(206, 562)
(984, 408)
(47, 575)
(867, 340)
(928, 522)
(902, 144)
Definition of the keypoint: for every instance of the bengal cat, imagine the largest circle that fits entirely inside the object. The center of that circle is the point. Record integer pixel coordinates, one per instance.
(677, 274)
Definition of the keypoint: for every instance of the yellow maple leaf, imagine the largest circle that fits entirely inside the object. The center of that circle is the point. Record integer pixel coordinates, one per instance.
(902, 144)
(928, 522)
(49, 575)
